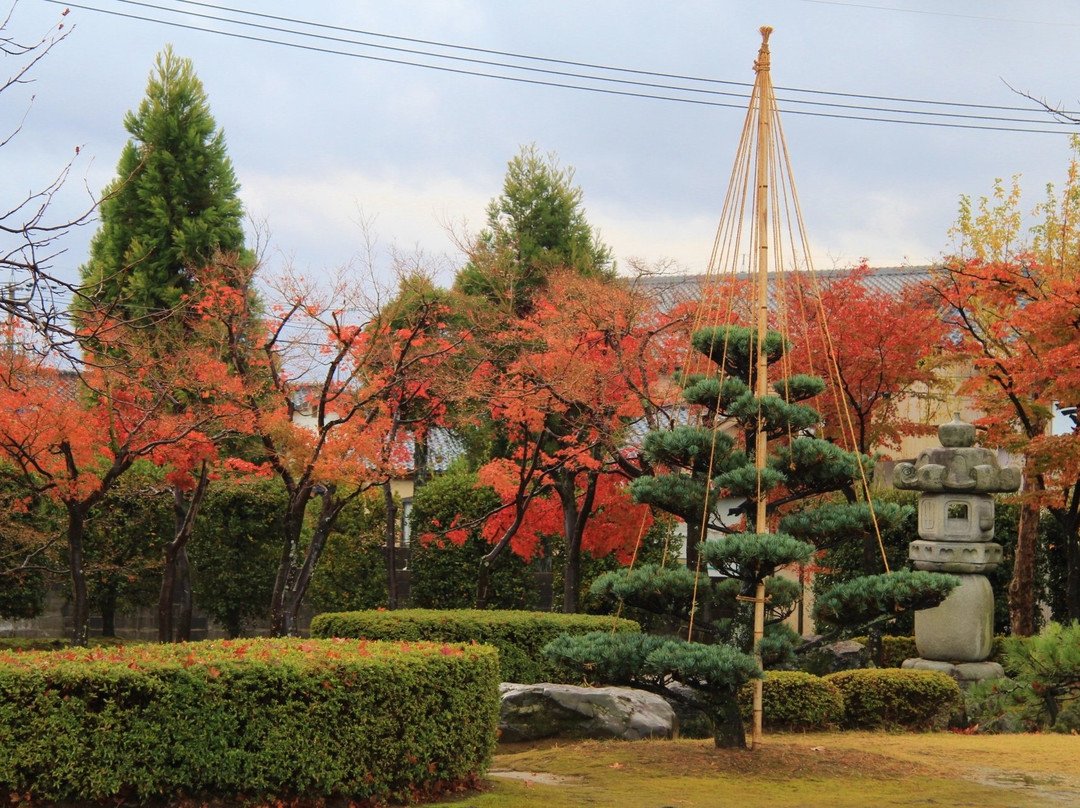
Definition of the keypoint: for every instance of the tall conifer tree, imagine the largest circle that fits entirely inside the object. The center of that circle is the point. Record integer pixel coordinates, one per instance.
(537, 225)
(173, 204)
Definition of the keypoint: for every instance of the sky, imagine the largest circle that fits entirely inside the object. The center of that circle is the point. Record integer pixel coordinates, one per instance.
(335, 132)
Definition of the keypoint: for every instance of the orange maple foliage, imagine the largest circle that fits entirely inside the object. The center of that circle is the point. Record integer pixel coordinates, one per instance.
(336, 385)
(1013, 304)
(873, 348)
(71, 435)
(588, 361)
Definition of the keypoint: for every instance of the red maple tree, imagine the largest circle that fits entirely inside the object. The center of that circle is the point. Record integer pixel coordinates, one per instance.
(336, 385)
(1013, 303)
(70, 435)
(875, 350)
(589, 361)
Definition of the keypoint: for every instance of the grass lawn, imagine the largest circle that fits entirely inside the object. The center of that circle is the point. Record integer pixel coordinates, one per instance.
(832, 770)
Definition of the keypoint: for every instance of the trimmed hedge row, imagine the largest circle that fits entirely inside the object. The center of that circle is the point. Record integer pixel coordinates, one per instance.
(794, 701)
(889, 698)
(867, 698)
(266, 719)
(518, 635)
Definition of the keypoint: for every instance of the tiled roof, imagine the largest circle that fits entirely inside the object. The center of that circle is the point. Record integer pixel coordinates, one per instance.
(672, 289)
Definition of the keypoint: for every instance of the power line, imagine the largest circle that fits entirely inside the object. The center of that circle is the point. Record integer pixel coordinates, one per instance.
(593, 66)
(928, 12)
(640, 88)
(588, 65)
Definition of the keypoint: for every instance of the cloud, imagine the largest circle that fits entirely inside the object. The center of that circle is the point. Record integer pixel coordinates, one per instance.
(329, 210)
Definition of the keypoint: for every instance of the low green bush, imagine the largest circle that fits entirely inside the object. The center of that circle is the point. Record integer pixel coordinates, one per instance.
(519, 636)
(793, 700)
(890, 698)
(267, 719)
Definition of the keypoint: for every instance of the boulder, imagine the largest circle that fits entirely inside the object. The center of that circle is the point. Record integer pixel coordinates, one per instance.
(845, 655)
(691, 718)
(533, 712)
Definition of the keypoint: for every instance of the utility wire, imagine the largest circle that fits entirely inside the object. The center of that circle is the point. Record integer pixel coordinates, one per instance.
(633, 93)
(928, 12)
(588, 65)
(566, 74)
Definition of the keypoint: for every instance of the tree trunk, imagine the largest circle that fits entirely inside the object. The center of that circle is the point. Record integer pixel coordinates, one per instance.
(421, 462)
(390, 536)
(575, 517)
(693, 536)
(484, 575)
(572, 540)
(176, 568)
(572, 575)
(1022, 584)
(483, 580)
(183, 618)
(728, 729)
(871, 565)
(107, 602)
(80, 603)
(294, 521)
(297, 585)
(165, 596)
(1072, 588)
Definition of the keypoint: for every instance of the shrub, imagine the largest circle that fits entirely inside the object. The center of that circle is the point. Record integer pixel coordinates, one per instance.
(443, 573)
(1043, 691)
(235, 549)
(519, 636)
(352, 567)
(272, 720)
(792, 700)
(887, 698)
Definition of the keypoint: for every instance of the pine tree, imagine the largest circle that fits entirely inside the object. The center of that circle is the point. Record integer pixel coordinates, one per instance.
(708, 476)
(173, 205)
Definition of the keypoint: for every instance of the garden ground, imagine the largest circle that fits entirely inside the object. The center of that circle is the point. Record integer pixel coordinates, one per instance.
(833, 770)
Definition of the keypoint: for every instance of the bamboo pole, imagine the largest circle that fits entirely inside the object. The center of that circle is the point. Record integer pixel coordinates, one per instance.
(764, 148)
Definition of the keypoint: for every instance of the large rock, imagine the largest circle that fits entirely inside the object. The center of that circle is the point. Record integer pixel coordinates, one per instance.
(690, 716)
(845, 655)
(532, 712)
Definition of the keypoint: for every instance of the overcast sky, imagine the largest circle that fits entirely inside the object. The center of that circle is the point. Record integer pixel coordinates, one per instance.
(320, 139)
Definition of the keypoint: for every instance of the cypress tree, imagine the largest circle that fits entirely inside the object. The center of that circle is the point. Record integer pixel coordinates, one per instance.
(173, 205)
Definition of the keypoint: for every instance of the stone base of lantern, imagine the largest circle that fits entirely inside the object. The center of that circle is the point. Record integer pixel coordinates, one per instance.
(961, 629)
(965, 673)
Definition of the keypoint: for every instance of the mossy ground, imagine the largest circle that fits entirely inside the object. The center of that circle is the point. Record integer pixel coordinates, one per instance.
(833, 770)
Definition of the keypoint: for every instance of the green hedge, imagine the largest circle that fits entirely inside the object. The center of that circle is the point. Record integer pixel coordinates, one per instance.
(519, 636)
(890, 698)
(266, 719)
(793, 700)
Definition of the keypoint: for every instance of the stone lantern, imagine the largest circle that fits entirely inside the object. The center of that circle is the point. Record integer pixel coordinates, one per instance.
(956, 529)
